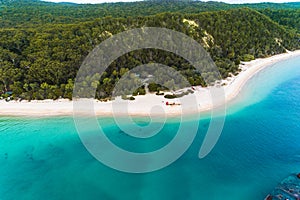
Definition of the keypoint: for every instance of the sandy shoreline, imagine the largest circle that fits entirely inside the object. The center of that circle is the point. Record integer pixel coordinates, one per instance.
(149, 104)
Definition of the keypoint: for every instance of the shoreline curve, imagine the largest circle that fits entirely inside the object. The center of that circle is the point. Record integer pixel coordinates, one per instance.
(142, 105)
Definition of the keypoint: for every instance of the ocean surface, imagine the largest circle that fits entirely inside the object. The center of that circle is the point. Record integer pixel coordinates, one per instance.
(43, 158)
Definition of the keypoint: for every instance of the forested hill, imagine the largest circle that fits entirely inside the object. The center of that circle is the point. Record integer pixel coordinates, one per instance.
(15, 13)
(39, 60)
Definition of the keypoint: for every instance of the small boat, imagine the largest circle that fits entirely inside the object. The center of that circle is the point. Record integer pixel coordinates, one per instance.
(172, 103)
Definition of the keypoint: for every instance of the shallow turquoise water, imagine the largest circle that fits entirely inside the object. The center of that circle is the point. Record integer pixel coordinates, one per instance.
(260, 145)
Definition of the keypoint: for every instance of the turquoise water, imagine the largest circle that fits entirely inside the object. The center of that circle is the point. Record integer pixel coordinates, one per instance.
(260, 145)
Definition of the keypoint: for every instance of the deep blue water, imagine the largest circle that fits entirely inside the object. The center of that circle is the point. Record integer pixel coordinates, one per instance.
(43, 158)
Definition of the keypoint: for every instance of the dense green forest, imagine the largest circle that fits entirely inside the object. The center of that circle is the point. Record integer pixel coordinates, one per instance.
(42, 45)
(21, 13)
(290, 18)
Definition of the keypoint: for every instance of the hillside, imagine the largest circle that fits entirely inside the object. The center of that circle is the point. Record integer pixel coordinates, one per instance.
(20, 13)
(40, 61)
(290, 18)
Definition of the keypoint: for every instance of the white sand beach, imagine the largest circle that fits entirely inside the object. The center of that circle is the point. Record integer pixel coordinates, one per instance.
(149, 104)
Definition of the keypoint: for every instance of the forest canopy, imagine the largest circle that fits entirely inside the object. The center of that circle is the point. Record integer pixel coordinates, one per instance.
(42, 45)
